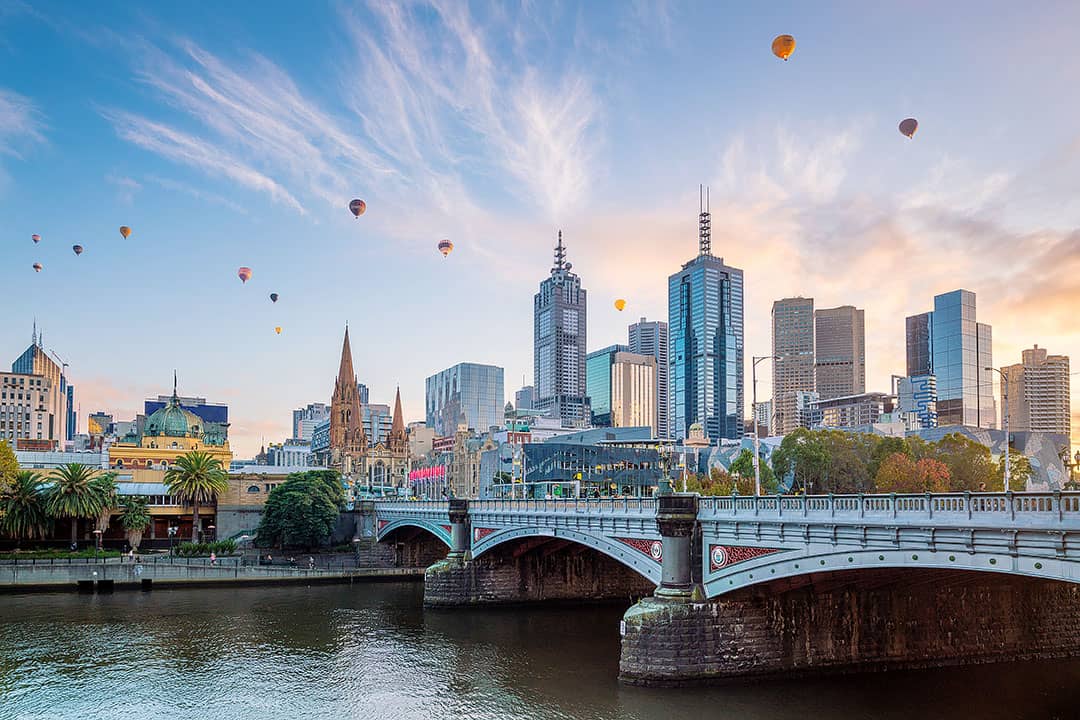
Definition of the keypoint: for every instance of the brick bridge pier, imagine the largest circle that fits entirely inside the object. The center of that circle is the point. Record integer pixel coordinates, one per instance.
(742, 587)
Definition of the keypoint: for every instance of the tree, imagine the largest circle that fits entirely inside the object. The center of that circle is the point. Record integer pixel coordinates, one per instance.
(196, 477)
(9, 465)
(22, 508)
(134, 518)
(933, 475)
(300, 512)
(105, 487)
(882, 448)
(900, 474)
(743, 468)
(75, 495)
(970, 465)
(802, 454)
(846, 472)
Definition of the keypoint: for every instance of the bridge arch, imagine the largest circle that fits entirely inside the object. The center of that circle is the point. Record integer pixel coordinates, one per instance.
(637, 561)
(387, 527)
(795, 563)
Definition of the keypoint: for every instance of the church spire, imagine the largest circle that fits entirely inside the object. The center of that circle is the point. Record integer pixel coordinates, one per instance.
(397, 427)
(346, 374)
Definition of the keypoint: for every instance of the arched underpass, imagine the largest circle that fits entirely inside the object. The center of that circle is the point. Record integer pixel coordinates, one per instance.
(534, 569)
(409, 546)
(852, 621)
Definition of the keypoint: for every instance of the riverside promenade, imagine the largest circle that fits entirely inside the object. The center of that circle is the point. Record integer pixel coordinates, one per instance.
(107, 574)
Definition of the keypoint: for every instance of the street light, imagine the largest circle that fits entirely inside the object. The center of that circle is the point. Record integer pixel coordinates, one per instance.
(757, 461)
(1005, 399)
(172, 534)
(212, 530)
(97, 541)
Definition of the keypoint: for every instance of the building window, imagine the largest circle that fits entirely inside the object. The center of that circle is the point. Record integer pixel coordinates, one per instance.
(253, 488)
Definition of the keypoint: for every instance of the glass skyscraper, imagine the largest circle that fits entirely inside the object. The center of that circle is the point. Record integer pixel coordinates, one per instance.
(705, 352)
(598, 382)
(959, 350)
(467, 393)
(559, 325)
(651, 338)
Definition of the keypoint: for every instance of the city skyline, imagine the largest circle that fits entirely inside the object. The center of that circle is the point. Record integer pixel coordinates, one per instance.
(821, 197)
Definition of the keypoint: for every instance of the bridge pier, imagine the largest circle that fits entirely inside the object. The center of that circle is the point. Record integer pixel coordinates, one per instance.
(851, 621)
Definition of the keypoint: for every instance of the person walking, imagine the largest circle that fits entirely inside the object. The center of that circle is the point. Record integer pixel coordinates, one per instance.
(213, 558)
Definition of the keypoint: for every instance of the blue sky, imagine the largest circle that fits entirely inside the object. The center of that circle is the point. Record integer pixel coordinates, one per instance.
(225, 138)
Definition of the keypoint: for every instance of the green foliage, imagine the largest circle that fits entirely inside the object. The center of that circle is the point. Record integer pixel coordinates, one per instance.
(802, 453)
(9, 465)
(196, 477)
(59, 554)
(970, 465)
(134, 513)
(1019, 472)
(78, 492)
(300, 512)
(22, 507)
(220, 547)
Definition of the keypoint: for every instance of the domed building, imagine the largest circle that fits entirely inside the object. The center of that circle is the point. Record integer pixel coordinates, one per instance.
(167, 434)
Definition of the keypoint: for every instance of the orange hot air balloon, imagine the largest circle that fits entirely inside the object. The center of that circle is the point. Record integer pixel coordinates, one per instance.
(908, 127)
(125, 231)
(78, 249)
(783, 46)
(278, 329)
(244, 274)
(36, 238)
(446, 247)
(358, 207)
(37, 267)
(620, 304)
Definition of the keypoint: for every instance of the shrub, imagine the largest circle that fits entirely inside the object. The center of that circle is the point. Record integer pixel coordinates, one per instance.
(220, 547)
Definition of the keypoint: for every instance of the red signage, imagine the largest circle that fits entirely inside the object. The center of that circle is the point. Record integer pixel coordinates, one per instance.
(437, 472)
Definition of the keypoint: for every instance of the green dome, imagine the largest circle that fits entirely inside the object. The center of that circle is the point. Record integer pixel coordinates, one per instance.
(173, 421)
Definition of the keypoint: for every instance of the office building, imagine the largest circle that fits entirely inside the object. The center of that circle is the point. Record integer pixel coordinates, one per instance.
(377, 421)
(793, 364)
(26, 419)
(763, 417)
(917, 396)
(651, 338)
(839, 352)
(305, 419)
(35, 361)
(633, 391)
(705, 348)
(525, 398)
(468, 394)
(598, 382)
(1038, 393)
(959, 350)
(559, 332)
(852, 411)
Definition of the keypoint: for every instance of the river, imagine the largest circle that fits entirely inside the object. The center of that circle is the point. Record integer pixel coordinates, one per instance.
(372, 651)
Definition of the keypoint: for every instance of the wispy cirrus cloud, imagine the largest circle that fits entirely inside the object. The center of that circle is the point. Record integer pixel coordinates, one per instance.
(21, 123)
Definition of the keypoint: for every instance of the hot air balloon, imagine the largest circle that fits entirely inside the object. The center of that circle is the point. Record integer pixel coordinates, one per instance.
(358, 207)
(37, 267)
(125, 231)
(78, 249)
(783, 46)
(244, 274)
(908, 127)
(620, 304)
(36, 238)
(273, 297)
(446, 247)
(278, 329)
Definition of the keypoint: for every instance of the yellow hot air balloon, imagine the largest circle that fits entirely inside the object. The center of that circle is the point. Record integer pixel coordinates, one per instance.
(278, 329)
(244, 274)
(125, 231)
(783, 46)
(620, 304)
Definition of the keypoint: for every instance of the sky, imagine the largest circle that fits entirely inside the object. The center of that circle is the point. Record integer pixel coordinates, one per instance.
(225, 137)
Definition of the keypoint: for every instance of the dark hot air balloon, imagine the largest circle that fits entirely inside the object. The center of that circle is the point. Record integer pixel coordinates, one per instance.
(908, 127)
(783, 46)
(273, 297)
(78, 249)
(446, 247)
(244, 274)
(125, 231)
(358, 207)
(37, 267)
(36, 238)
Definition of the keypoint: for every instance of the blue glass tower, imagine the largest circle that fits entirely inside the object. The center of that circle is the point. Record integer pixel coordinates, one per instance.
(598, 382)
(705, 336)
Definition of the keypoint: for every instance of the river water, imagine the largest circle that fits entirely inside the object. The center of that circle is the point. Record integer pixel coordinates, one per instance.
(372, 651)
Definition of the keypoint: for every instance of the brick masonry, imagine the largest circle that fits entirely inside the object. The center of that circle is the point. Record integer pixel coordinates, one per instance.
(526, 573)
(851, 622)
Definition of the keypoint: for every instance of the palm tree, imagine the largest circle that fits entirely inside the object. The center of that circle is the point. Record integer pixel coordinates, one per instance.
(105, 487)
(134, 517)
(76, 493)
(22, 508)
(196, 477)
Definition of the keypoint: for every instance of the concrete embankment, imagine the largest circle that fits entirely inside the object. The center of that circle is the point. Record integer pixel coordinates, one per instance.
(106, 576)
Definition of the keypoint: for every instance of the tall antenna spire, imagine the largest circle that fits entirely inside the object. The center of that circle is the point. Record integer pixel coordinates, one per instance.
(33, 340)
(704, 222)
(174, 384)
(560, 254)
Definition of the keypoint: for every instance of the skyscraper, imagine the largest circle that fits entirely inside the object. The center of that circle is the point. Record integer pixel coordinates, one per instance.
(651, 338)
(839, 352)
(793, 364)
(705, 348)
(598, 382)
(525, 398)
(633, 391)
(1038, 393)
(959, 351)
(467, 393)
(559, 322)
(305, 419)
(35, 361)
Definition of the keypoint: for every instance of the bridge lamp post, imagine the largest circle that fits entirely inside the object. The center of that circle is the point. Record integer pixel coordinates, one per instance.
(753, 405)
(1005, 414)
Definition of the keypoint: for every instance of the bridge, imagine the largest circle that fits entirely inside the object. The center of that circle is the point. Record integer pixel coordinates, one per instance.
(893, 567)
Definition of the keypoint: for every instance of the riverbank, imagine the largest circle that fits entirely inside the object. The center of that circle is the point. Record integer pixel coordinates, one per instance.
(110, 576)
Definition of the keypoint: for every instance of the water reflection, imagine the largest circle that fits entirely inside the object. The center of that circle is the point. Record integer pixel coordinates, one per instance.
(371, 650)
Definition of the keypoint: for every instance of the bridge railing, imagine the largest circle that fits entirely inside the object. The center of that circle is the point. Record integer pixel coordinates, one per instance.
(991, 508)
(584, 506)
(411, 504)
